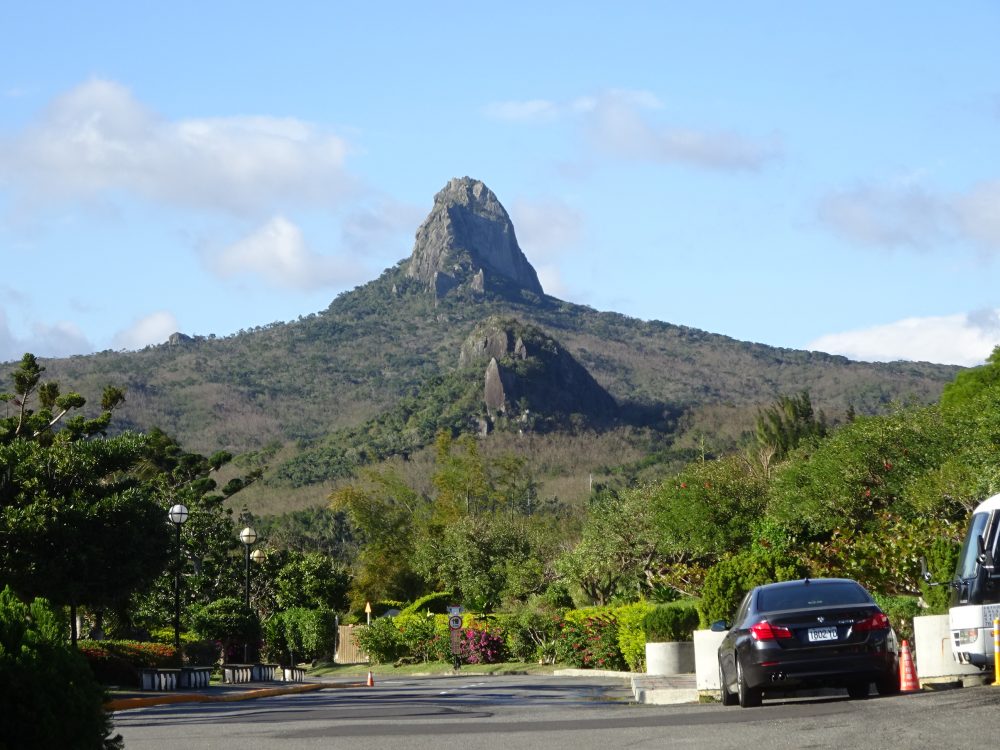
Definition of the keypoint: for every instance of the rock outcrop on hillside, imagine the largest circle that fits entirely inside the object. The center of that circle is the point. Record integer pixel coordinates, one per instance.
(527, 372)
(468, 240)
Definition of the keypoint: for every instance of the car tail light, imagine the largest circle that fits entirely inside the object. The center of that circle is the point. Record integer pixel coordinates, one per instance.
(765, 631)
(877, 621)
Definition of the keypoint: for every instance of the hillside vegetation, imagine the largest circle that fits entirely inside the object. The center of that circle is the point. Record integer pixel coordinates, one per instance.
(378, 372)
(387, 343)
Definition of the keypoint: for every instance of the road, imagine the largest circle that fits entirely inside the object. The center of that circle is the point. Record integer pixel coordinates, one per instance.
(555, 713)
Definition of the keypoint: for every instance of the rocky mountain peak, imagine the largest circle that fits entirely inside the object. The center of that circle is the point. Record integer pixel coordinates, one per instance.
(526, 371)
(468, 240)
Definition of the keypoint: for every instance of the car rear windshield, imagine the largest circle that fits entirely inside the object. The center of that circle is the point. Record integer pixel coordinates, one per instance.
(811, 595)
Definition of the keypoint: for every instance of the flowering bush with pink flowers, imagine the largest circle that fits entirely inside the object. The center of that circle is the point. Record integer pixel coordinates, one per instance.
(482, 647)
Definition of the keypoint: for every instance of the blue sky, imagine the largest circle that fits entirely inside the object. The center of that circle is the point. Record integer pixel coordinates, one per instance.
(802, 175)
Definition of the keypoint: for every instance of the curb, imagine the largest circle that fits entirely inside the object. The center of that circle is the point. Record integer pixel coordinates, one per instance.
(124, 704)
(666, 696)
(572, 672)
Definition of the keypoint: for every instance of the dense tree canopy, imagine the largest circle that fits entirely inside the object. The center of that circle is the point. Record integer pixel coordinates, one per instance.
(77, 525)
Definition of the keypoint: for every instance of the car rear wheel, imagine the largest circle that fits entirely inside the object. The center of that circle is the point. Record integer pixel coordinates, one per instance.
(888, 685)
(749, 697)
(858, 690)
(728, 699)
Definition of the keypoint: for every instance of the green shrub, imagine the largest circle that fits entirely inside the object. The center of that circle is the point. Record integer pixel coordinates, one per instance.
(417, 632)
(318, 629)
(300, 634)
(531, 628)
(631, 637)
(942, 556)
(49, 695)
(900, 610)
(108, 668)
(670, 624)
(200, 653)
(226, 621)
(381, 641)
(439, 648)
(729, 581)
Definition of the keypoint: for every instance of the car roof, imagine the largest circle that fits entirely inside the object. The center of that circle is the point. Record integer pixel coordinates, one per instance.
(807, 582)
(988, 505)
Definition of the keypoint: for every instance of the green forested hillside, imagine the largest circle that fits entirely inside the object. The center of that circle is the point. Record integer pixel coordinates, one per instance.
(287, 387)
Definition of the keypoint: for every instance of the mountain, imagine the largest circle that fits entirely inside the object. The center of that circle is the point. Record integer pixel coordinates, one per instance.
(423, 336)
(468, 240)
(510, 377)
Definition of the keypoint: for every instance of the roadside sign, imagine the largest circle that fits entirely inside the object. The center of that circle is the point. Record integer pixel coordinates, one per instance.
(455, 622)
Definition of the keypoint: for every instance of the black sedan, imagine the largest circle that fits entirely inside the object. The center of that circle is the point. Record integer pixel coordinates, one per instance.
(819, 632)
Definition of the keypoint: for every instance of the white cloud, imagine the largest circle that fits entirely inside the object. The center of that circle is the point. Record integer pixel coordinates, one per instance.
(617, 122)
(97, 139)
(618, 126)
(978, 214)
(961, 339)
(546, 230)
(904, 214)
(59, 339)
(886, 215)
(551, 279)
(151, 329)
(376, 229)
(277, 253)
(547, 227)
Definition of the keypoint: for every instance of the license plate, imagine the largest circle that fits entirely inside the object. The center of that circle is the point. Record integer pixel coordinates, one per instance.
(822, 634)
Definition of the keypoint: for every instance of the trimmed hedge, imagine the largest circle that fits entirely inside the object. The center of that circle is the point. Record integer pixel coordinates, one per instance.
(670, 624)
(436, 603)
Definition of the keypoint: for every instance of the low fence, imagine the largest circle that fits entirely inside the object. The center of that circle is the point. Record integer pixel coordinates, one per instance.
(348, 651)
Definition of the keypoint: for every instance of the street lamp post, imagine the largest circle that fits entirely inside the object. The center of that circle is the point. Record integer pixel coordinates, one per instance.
(177, 514)
(248, 536)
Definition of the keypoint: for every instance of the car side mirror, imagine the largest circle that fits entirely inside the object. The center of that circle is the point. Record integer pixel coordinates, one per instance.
(719, 626)
(924, 573)
(985, 557)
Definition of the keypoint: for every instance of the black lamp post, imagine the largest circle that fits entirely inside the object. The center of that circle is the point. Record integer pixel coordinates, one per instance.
(248, 536)
(177, 514)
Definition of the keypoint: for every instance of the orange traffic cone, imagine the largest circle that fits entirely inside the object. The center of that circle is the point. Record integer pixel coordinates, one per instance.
(371, 680)
(908, 681)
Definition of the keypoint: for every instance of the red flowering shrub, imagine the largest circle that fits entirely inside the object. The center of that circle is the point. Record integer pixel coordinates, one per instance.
(590, 643)
(118, 662)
